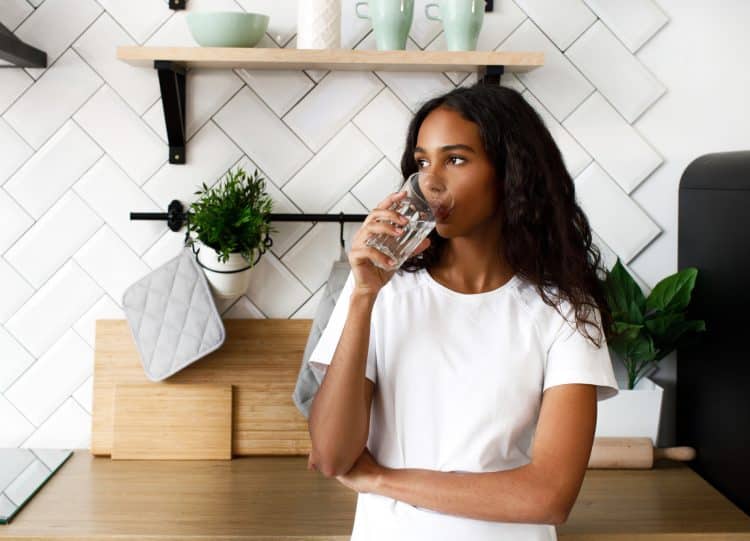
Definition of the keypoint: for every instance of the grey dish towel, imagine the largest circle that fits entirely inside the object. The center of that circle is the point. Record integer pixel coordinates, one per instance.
(307, 381)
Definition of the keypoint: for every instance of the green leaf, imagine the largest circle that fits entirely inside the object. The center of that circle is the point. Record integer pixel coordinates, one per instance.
(672, 294)
(627, 330)
(624, 297)
(642, 349)
(661, 323)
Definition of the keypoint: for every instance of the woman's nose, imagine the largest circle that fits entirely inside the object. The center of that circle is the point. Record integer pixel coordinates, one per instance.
(434, 184)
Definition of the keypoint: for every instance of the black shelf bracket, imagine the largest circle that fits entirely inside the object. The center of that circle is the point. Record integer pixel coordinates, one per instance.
(172, 85)
(489, 5)
(18, 53)
(490, 75)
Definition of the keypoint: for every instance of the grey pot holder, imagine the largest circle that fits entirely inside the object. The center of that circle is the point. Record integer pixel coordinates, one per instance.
(172, 317)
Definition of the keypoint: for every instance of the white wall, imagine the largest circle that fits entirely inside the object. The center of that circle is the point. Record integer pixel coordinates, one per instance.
(632, 95)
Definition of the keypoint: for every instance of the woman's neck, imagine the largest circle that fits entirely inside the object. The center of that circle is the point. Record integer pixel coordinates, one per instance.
(467, 266)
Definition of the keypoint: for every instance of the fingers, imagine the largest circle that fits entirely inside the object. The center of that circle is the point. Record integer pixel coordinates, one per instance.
(388, 201)
(368, 252)
(385, 215)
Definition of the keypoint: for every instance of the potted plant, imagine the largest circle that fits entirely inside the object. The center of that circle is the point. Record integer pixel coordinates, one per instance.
(229, 224)
(644, 330)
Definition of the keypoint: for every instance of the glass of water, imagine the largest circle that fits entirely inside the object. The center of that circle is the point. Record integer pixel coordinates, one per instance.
(425, 196)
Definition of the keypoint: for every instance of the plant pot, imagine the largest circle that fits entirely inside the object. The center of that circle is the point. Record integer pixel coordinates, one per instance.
(632, 413)
(227, 280)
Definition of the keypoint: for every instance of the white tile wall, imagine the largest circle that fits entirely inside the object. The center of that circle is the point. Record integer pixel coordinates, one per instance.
(618, 220)
(614, 143)
(122, 134)
(83, 144)
(385, 119)
(140, 18)
(54, 25)
(562, 21)
(54, 308)
(51, 379)
(559, 86)
(263, 136)
(14, 12)
(51, 241)
(15, 220)
(97, 46)
(53, 169)
(15, 359)
(634, 22)
(336, 166)
(15, 151)
(279, 89)
(617, 74)
(49, 103)
(331, 104)
(98, 188)
(14, 291)
(181, 182)
(13, 83)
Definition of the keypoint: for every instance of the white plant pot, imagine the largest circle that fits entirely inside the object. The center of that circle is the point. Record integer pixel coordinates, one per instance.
(632, 413)
(225, 285)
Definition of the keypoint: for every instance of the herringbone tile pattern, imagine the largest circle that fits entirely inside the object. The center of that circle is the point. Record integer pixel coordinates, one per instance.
(82, 144)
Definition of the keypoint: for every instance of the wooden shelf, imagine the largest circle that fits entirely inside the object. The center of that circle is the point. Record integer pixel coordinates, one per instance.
(172, 63)
(330, 59)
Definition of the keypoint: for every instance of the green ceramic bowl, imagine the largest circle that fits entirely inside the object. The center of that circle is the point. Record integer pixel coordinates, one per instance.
(227, 28)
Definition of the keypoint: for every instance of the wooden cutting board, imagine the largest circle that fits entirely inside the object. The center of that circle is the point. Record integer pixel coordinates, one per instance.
(260, 357)
(186, 421)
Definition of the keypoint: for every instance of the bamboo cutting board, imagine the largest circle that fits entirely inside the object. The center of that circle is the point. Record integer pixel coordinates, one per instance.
(190, 421)
(260, 358)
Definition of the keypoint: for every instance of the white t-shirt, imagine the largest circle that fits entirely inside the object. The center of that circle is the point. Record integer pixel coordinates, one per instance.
(459, 382)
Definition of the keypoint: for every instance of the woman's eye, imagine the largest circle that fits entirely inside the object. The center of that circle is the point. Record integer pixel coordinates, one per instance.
(420, 162)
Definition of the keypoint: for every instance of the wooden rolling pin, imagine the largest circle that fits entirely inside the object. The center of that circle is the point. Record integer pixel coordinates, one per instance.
(633, 453)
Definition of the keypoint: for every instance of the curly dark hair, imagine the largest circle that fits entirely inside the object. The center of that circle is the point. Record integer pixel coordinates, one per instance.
(546, 235)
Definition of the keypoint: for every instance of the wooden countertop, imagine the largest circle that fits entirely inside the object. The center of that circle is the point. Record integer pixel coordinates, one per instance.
(265, 498)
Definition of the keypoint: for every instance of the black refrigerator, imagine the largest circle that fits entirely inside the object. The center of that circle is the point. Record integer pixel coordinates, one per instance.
(713, 376)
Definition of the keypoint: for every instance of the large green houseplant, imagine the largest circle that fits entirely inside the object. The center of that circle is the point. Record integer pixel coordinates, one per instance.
(229, 225)
(645, 330)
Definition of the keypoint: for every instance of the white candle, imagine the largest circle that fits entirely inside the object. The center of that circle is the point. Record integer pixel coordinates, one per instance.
(319, 24)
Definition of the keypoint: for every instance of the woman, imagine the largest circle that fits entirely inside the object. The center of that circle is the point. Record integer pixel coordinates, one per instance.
(460, 392)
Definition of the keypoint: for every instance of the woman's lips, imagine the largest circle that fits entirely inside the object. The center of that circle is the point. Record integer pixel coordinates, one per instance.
(442, 213)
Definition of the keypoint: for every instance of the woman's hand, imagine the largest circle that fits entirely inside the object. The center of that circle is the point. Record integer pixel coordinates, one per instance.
(368, 278)
(364, 476)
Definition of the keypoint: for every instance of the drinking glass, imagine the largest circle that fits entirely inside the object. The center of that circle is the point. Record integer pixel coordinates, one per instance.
(425, 196)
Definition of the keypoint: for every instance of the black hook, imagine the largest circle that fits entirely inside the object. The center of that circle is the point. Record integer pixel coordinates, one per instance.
(341, 230)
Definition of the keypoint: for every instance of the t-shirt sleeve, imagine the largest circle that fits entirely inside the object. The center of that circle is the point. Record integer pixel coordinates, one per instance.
(322, 354)
(572, 358)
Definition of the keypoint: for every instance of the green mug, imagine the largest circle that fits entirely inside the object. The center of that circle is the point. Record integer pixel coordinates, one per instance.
(462, 21)
(391, 22)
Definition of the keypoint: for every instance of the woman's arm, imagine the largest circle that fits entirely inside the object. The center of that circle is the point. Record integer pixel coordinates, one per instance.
(516, 495)
(339, 420)
(541, 492)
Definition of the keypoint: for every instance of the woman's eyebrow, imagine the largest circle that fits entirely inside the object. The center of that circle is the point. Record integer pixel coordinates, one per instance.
(448, 148)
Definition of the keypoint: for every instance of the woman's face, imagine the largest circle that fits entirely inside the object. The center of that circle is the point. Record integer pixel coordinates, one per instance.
(450, 147)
